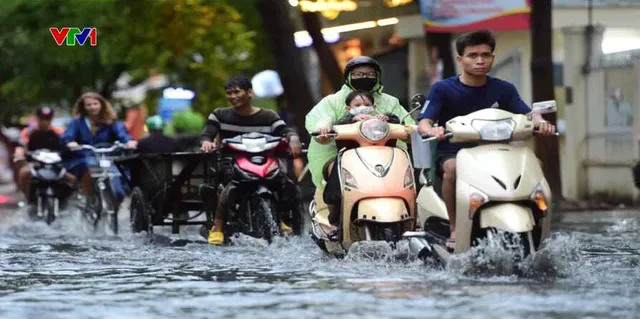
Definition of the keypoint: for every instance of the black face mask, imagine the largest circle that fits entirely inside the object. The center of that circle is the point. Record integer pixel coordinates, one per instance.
(365, 84)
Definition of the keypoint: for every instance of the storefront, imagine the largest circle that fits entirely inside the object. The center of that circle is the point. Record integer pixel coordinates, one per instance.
(597, 145)
(357, 28)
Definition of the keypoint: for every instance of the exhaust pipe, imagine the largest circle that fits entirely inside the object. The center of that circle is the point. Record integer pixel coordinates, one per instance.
(420, 247)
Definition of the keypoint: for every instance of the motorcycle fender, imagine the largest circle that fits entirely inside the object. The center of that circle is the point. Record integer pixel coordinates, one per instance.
(262, 190)
(382, 210)
(507, 217)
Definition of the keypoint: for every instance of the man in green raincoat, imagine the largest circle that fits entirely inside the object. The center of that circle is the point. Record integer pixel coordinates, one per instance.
(361, 73)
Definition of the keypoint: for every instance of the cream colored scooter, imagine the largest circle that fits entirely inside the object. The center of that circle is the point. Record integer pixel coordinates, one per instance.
(377, 183)
(499, 186)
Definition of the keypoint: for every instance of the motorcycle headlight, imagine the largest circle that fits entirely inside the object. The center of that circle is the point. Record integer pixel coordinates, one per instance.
(494, 130)
(47, 174)
(374, 130)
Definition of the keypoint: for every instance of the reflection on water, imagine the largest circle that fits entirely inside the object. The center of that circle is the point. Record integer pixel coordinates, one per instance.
(66, 271)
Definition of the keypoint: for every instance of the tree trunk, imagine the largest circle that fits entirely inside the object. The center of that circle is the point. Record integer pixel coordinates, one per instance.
(328, 61)
(279, 29)
(542, 78)
(442, 41)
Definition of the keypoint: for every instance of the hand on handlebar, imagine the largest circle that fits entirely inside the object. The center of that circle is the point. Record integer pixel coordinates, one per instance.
(323, 134)
(73, 145)
(133, 144)
(295, 146)
(362, 117)
(545, 128)
(207, 146)
(435, 132)
(19, 152)
(382, 117)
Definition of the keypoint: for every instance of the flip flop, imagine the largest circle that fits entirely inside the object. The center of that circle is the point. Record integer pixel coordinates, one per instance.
(451, 243)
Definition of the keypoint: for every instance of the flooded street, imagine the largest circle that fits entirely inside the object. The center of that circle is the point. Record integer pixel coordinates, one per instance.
(64, 271)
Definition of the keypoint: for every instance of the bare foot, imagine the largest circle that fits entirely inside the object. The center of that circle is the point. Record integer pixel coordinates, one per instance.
(451, 242)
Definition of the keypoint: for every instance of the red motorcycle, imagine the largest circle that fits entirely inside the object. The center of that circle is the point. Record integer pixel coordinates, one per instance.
(257, 200)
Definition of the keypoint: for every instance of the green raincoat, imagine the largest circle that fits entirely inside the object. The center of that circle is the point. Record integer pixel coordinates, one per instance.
(333, 108)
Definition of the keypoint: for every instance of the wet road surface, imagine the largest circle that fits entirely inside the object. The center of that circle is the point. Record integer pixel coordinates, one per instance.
(67, 271)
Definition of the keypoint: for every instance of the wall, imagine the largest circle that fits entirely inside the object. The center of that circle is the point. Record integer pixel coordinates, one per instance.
(595, 159)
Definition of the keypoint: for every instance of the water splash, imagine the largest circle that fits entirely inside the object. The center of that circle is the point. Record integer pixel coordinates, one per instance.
(502, 255)
(380, 251)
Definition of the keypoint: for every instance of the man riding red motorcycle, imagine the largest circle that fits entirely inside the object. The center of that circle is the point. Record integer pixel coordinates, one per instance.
(242, 118)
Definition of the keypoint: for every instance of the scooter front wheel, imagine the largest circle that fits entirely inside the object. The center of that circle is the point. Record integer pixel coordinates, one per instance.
(49, 205)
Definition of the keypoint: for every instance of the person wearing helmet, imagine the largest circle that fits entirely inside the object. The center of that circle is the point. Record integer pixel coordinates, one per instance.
(32, 138)
(156, 141)
(361, 74)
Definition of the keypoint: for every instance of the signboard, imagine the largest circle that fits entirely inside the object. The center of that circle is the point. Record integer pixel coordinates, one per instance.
(174, 100)
(471, 15)
(329, 9)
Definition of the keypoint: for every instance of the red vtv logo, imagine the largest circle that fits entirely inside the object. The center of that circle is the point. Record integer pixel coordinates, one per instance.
(69, 36)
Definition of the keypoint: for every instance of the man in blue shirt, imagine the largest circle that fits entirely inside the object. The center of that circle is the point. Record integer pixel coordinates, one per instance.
(463, 94)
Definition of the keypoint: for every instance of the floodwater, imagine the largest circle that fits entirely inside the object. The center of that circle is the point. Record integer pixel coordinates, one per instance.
(67, 271)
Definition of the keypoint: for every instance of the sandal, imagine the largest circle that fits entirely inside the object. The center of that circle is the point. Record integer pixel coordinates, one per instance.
(451, 243)
(333, 236)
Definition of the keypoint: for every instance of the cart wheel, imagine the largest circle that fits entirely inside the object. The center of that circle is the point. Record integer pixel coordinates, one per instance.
(139, 212)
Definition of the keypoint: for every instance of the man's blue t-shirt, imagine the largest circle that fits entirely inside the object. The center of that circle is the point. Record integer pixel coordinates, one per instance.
(450, 98)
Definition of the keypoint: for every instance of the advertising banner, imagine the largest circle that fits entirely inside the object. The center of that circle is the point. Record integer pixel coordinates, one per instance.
(471, 15)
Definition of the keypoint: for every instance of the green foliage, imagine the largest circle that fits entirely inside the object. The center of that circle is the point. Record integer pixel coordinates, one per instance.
(198, 43)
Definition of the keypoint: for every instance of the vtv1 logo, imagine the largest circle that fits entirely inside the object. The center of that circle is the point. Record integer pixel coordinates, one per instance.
(71, 36)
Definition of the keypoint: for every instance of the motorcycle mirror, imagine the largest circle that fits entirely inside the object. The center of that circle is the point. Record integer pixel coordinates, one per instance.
(416, 103)
(418, 100)
(544, 107)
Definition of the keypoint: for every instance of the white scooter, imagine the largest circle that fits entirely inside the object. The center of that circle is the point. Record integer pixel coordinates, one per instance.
(499, 186)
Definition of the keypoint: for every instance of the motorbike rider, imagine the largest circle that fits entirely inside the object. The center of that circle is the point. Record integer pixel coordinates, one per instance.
(96, 123)
(463, 94)
(32, 138)
(361, 73)
(360, 106)
(156, 141)
(239, 119)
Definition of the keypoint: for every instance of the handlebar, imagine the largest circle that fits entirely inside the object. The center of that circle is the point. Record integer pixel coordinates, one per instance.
(428, 138)
(100, 150)
(330, 134)
(447, 135)
(538, 133)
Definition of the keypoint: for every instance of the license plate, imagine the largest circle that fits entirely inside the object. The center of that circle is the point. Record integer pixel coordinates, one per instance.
(105, 163)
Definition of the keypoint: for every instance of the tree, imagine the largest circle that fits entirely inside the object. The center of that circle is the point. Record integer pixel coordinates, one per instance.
(279, 28)
(328, 62)
(542, 78)
(199, 43)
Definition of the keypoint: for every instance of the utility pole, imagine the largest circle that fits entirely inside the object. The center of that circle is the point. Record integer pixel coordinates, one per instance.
(279, 28)
(328, 62)
(546, 148)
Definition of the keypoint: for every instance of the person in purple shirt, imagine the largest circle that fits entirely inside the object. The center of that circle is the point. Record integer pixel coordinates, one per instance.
(463, 94)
